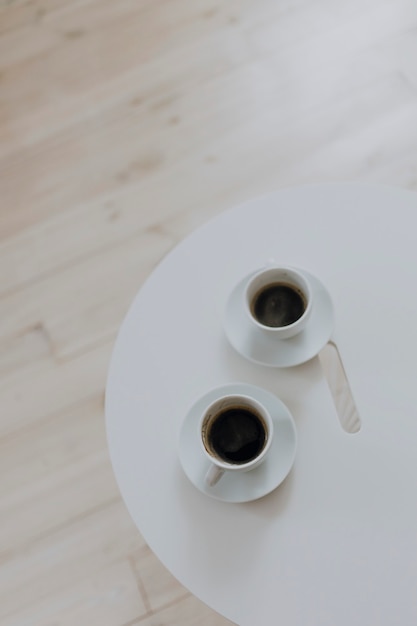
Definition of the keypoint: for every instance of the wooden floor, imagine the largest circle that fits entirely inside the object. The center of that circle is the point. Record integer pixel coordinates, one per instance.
(123, 126)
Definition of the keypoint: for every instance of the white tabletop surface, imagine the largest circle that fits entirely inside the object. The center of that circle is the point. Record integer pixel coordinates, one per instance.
(336, 543)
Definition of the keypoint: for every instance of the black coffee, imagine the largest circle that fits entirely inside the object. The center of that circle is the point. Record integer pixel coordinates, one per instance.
(277, 305)
(237, 435)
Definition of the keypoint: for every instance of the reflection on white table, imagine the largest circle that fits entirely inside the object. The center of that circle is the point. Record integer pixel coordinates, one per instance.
(336, 542)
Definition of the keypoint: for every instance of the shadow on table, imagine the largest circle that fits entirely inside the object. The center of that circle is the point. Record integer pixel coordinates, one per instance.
(273, 504)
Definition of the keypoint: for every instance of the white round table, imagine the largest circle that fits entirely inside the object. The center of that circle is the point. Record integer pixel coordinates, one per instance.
(336, 543)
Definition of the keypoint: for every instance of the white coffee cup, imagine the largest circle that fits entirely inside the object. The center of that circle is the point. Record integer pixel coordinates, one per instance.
(279, 301)
(236, 434)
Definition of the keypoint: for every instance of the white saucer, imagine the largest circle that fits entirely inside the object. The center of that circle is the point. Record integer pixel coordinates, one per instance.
(256, 346)
(245, 486)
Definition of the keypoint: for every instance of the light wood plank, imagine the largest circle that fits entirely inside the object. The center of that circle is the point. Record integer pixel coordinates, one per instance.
(31, 113)
(51, 474)
(47, 566)
(29, 346)
(328, 79)
(45, 388)
(382, 146)
(84, 304)
(108, 597)
(37, 39)
(160, 587)
(188, 611)
(22, 13)
(351, 25)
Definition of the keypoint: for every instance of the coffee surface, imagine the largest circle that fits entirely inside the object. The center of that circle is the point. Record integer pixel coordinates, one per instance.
(278, 305)
(237, 435)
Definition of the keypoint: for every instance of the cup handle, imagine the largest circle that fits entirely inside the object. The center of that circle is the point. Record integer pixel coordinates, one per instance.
(213, 475)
